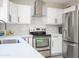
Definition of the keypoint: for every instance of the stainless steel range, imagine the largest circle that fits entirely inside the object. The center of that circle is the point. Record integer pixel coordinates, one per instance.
(42, 41)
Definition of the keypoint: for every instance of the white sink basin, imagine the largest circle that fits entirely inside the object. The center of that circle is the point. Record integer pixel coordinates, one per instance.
(9, 41)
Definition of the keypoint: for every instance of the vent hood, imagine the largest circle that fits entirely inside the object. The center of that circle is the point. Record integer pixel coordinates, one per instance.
(39, 8)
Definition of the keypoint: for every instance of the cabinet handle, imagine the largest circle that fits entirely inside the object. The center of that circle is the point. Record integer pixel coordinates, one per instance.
(52, 43)
(55, 20)
(18, 19)
(10, 17)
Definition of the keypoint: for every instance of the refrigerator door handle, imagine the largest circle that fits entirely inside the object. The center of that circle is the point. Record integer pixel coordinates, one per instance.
(68, 37)
(73, 45)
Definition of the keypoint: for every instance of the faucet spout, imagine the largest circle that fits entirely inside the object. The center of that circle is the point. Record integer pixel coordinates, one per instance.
(4, 24)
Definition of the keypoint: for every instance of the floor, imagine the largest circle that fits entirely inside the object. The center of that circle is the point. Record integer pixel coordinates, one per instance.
(56, 57)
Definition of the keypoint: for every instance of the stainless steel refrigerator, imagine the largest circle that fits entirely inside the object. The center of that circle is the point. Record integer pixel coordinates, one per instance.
(70, 43)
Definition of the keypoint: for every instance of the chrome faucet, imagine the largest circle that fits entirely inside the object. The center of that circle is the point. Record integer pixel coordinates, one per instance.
(4, 24)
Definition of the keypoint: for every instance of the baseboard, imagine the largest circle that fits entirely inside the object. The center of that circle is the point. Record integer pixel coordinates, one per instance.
(56, 54)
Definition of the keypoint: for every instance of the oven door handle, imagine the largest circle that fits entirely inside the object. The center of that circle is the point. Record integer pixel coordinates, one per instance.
(34, 42)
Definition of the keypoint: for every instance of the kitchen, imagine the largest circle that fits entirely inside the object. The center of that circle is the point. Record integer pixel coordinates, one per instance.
(35, 22)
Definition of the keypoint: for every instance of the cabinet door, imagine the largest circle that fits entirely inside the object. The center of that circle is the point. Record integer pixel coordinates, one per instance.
(59, 16)
(54, 16)
(13, 12)
(24, 14)
(56, 45)
(51, 15)
(4, 11)
(29, 40)
(59, 19)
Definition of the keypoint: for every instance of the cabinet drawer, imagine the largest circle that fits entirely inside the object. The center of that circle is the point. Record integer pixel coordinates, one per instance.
(46, 53)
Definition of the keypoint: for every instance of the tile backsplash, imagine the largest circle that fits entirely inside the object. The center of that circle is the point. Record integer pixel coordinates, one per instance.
(19, 29)
(51, 29)
(23, 29)
(40, 22)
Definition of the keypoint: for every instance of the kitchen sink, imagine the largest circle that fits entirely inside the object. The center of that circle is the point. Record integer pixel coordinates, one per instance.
(9, 41)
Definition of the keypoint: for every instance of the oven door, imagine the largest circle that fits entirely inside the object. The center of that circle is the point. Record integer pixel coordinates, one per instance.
(42, 42)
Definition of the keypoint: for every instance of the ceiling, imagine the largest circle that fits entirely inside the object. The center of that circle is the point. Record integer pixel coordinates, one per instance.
(53, 1)
(58, 1)
(62, 2)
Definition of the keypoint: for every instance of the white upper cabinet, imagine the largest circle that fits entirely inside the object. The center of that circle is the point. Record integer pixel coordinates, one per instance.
(24, 14)
(4, 10)
(54, 16)
(70, 9)
(59, 16)
(13, 12)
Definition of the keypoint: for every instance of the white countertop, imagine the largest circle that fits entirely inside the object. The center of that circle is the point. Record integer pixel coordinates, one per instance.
(54, 34)
(16, 36)
(18, 50)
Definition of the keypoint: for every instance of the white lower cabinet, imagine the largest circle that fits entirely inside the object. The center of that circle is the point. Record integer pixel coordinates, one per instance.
(56, 45)
(29, 40)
